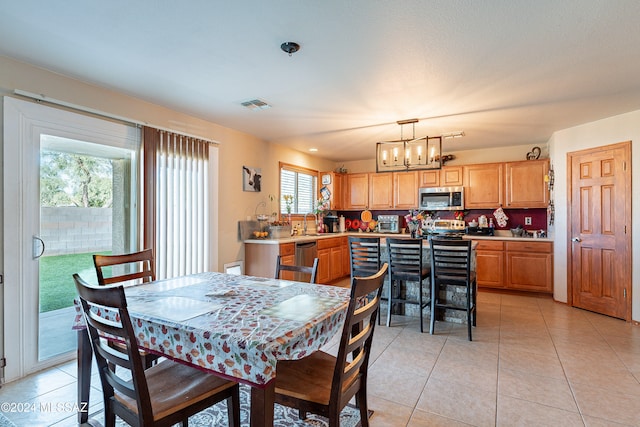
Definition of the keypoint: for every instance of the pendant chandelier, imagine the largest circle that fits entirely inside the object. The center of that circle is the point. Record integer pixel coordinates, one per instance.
(409, 154)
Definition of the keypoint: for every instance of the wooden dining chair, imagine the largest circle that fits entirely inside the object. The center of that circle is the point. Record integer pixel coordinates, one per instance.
(127, 269)
(451, 266)
(298, 270)
(132, 267)
(323, 384)
(163, 395)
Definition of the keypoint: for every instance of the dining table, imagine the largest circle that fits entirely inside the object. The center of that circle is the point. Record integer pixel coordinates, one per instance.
(234, 326)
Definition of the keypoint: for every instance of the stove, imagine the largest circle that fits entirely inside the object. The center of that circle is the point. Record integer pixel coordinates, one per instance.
(450, 235)
(480, 231)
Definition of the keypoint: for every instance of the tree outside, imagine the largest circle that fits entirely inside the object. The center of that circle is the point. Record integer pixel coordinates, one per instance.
(70, 180)
(75, 180)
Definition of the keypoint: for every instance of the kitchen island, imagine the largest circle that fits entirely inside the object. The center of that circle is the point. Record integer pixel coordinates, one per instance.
(334, 264)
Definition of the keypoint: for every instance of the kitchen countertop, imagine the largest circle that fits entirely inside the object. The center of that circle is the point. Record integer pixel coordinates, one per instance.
(510, 238)
(314, 237)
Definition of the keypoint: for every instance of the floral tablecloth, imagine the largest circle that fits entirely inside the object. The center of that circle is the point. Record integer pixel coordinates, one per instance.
(238, 326)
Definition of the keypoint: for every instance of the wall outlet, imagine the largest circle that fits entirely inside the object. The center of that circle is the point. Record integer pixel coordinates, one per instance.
(527, 220)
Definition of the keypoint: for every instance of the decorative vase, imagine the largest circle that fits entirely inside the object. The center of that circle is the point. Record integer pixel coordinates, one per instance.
(413, 230)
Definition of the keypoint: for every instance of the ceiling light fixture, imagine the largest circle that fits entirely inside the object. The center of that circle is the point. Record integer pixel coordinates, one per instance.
(290, 47)
(409, 154)
(458, 134)
(313, 150)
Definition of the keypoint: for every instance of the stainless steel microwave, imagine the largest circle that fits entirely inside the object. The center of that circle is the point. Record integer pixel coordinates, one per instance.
(441, 198)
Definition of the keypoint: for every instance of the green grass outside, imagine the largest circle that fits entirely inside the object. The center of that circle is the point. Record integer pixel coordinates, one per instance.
(57, 289)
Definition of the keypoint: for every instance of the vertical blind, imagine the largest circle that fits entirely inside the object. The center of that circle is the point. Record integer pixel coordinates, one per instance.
(302, 185)
(176, 202)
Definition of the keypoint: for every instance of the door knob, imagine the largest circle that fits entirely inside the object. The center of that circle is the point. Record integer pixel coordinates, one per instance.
(576, 239)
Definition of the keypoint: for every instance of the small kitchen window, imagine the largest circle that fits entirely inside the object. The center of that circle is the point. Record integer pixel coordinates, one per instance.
(302, 184)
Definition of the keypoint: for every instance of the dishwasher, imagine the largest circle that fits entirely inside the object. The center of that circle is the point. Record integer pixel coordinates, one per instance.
(306, 253)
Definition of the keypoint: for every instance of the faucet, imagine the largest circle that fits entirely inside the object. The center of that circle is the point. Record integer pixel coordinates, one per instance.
(304, 227)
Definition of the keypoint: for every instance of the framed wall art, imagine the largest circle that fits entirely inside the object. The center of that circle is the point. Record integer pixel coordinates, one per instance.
(251, 178)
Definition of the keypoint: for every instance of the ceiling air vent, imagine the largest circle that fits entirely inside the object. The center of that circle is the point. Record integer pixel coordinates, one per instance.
(256, 104)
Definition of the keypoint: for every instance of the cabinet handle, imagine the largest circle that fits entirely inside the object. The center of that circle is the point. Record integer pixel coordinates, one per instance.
(576, 239)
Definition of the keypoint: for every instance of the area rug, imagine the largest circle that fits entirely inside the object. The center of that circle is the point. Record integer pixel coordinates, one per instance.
(283, 416)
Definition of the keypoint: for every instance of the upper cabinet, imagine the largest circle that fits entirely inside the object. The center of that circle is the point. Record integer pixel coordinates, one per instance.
(525, 185)
(486, 186)
(381, 190)
(448, 176)
(335, 183)
(483, 186)
(405, 190)
(451, 176)
(357, 191)
(430, 178)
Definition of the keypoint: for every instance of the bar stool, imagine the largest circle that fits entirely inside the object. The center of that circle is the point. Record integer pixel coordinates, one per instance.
(364, 257)
(451, 266)
(406, 265)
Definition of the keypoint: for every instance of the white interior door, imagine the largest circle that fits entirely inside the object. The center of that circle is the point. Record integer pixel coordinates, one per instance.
(26, 126)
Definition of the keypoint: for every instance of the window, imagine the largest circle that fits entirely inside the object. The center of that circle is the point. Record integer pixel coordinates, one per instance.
(300, 183)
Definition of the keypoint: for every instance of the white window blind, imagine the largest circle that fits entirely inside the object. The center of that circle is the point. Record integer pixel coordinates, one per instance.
(300, 183)
(181, 205)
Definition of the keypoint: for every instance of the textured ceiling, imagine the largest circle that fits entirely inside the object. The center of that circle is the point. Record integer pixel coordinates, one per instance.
(506, 72)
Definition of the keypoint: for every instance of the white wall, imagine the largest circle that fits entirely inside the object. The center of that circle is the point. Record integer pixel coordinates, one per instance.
(625, 127)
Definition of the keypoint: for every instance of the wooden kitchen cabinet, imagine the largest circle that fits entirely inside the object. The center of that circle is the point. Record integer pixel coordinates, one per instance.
(324, 260)
(430, 178)
(515, 265)
(447, 176)
(335, 263)
(451, 176)
(525, 185)
(337, 183)
(356, 195)
(483, 186)
(405, 190)
(260, 259)
(381, 190)
(529, 266)
(490, 263)
(331, 265)
(287, 257)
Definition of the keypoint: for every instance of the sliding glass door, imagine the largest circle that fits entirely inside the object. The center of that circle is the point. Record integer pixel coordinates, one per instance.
(70, 189)
(85, 198)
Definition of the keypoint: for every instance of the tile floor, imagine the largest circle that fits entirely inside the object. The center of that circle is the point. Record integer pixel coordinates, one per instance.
(532, 362)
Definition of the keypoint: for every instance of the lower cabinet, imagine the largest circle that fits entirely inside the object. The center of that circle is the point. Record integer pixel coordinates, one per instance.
(515, 265)
(287, 257)
(529, 266)
(331, 259)
(490, 263)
